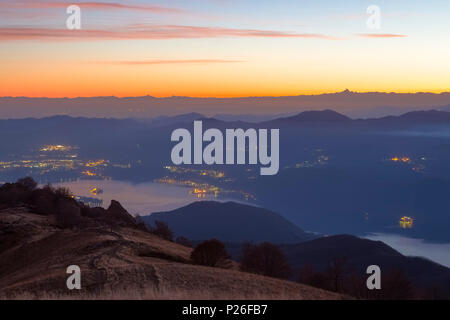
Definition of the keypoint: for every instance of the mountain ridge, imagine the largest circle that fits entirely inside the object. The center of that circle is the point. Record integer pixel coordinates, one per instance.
(356, 254)
(147, 106)
(307, 116)
(229, 221)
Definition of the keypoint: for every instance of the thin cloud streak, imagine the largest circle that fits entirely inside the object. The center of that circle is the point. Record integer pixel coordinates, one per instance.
(155, 32)
(381, 35)
(156, 62)
(89, 5)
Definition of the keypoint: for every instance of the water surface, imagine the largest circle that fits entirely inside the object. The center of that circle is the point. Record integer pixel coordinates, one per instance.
(141, 198)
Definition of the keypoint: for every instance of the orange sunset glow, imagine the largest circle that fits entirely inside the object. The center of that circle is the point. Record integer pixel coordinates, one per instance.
(174, 49)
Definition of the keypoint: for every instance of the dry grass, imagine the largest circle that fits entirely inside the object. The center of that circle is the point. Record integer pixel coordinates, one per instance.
(121, 264)
(153, 294)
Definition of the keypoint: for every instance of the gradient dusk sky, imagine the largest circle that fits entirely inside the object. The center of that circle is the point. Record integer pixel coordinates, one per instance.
(222, 48)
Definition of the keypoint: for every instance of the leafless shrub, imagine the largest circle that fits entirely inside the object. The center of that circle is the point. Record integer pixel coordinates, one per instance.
(162, 230)
(211, 253)
(265, 259)
(27, 183)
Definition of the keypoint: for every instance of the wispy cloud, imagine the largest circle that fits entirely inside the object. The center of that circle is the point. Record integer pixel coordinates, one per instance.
(155, 32)
(153, 62)
(88, 5)
(381, 35)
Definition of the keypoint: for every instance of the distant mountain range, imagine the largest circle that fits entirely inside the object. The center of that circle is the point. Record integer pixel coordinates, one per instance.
(354, 104)
(428, 116)
(229, 222)
(311, 117)
(333, 117)
(327, 116)
(319, 190)
(330, 117)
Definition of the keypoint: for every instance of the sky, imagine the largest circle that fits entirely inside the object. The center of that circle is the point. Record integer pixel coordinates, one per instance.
(223, 48)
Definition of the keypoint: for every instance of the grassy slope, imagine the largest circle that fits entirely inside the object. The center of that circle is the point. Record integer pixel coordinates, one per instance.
(120, 263)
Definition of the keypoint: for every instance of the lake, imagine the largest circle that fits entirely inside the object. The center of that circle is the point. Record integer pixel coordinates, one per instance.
(145, 198)
(141, 198)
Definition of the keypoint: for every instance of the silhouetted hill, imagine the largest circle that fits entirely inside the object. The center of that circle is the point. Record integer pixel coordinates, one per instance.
(328, 116)
(319, 116)
(360, 253)
(423, 117)
(318, 252)
(229, 221)
(445, 108)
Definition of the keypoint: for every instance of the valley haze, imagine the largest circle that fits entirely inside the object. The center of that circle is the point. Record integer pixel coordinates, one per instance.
(354, 104)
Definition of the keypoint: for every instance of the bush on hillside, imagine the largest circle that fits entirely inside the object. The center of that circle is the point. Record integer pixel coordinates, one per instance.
(211, 253)
(266, 259)
(162, 230)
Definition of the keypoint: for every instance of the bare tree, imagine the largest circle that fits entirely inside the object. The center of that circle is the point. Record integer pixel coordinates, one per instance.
(162, 230)
(336, 272)
(266, 259)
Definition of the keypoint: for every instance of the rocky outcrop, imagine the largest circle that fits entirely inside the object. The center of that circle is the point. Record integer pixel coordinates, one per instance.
(119, 215)
(60, 203)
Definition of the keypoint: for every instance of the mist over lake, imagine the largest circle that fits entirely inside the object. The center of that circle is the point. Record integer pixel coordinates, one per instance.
(438, 252)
